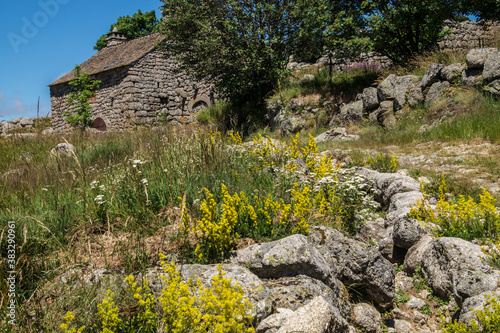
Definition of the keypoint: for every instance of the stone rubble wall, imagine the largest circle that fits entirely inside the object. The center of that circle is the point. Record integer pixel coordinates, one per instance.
(137, 94)
(467, 35)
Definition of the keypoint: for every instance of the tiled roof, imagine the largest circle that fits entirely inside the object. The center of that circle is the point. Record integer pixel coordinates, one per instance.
(113, 57)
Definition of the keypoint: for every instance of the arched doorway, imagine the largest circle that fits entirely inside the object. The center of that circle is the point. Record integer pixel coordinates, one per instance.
(99, 124)
(199, 105)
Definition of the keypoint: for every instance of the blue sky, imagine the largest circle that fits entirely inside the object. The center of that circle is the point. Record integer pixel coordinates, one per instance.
(40, 40)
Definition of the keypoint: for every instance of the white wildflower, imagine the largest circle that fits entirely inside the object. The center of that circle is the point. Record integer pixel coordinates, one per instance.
(144, 181)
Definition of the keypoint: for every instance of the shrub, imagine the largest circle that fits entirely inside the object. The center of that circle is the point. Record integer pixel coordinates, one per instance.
(487, 320)
(463, 218)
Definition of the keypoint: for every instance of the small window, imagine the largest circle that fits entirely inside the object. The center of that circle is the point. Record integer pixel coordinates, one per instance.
(164, 100)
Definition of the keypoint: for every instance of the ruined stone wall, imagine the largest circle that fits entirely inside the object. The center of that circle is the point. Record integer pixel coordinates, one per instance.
(137, 94)
(467, 35)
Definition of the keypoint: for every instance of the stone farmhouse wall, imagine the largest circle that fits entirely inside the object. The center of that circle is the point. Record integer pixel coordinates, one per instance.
(137, 94)
(467, 35)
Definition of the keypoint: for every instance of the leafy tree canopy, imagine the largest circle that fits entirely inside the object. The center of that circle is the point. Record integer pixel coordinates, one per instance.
(241, 46)
(137, 25)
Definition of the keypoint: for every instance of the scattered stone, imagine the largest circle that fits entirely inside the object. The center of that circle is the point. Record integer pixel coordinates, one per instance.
(403, 282)
(15, 121)
(64, 149)
(415, 96)
(401, 315)
(366, 318)
(472, 77)
(476, 58)
(374, 229)
(358, 263)
(419, 318)
(491, 69)
(453, 72)
(307, 77)
(493, 88)
(415, 254)
(415, 303)
(292, 125)
(274, 321)
(290, 256)
(370, 98)
(435, 92)
(407, 232)
(352, 111)
(318, 316)
(48, 131)
(475, 303)
(26, 122)
(336, 134)
(402, 326)
(431, 76)
(293, 292)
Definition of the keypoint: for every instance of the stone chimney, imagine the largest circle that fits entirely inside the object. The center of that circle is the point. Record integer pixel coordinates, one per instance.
(115, 37)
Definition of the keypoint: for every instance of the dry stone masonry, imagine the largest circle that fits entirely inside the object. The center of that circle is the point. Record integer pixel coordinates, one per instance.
(138, 85)
(463, 36)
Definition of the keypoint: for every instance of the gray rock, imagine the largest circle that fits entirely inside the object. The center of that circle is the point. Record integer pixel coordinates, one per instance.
(352, 111)
(307, 77)
(402, 326)
(336, 134)
(404, 83)
(475, 303)
(401, 315)
(318, 316)
(290, 256)
(420, 319)
(415, 255)
(48, 131)
(9, 126)
(15, 121)
(366, 318)
(457, 267)
(435, 92)
(395, 88)
(385, 114)
(415, 303)
(256, 292)
(415, 96)
(472, 77)
(373, 116)
(403, 282)
(374, 230)
(431, 76)
(26, 122)
(370, 98)
(477, 57)
(491, 69)
(357, 263)
(493, 88)
(407, 232)
(401, 204)
(65, 148)
(385, 89)
(292, 125)
(294, 292)
(299, 165)
(272, 323)
(453, 72)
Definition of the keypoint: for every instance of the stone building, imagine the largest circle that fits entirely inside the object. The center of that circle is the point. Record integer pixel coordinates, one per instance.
(467, 35)
(137, 84)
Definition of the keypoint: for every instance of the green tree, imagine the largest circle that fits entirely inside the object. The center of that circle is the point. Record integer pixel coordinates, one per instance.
(484, 9)
(241, 46)
(137, 25)
(83, 91)
(401, 28)
(334, 27)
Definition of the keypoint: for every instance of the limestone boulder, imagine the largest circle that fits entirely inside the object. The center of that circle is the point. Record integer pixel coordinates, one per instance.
(396, 88)
(454, 266)
(491, 69)
(415, 96)
(294, 292)
(472, 77)
(476, 303)
(357, 263)
(26, 122)
(385, 89)
(290, 256)
(476, 58)
(272, 323)
(254, 289)
(366, 318)
(292, 125)
(318, 316)
(66, 149)
(370, 98)
(435, 92)
(16, 121)
(493, 88)
(401, 204)
(408, 232)
(352, 111)
(415, 255)
(336, 134)
(452, 72)
(432, 75)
